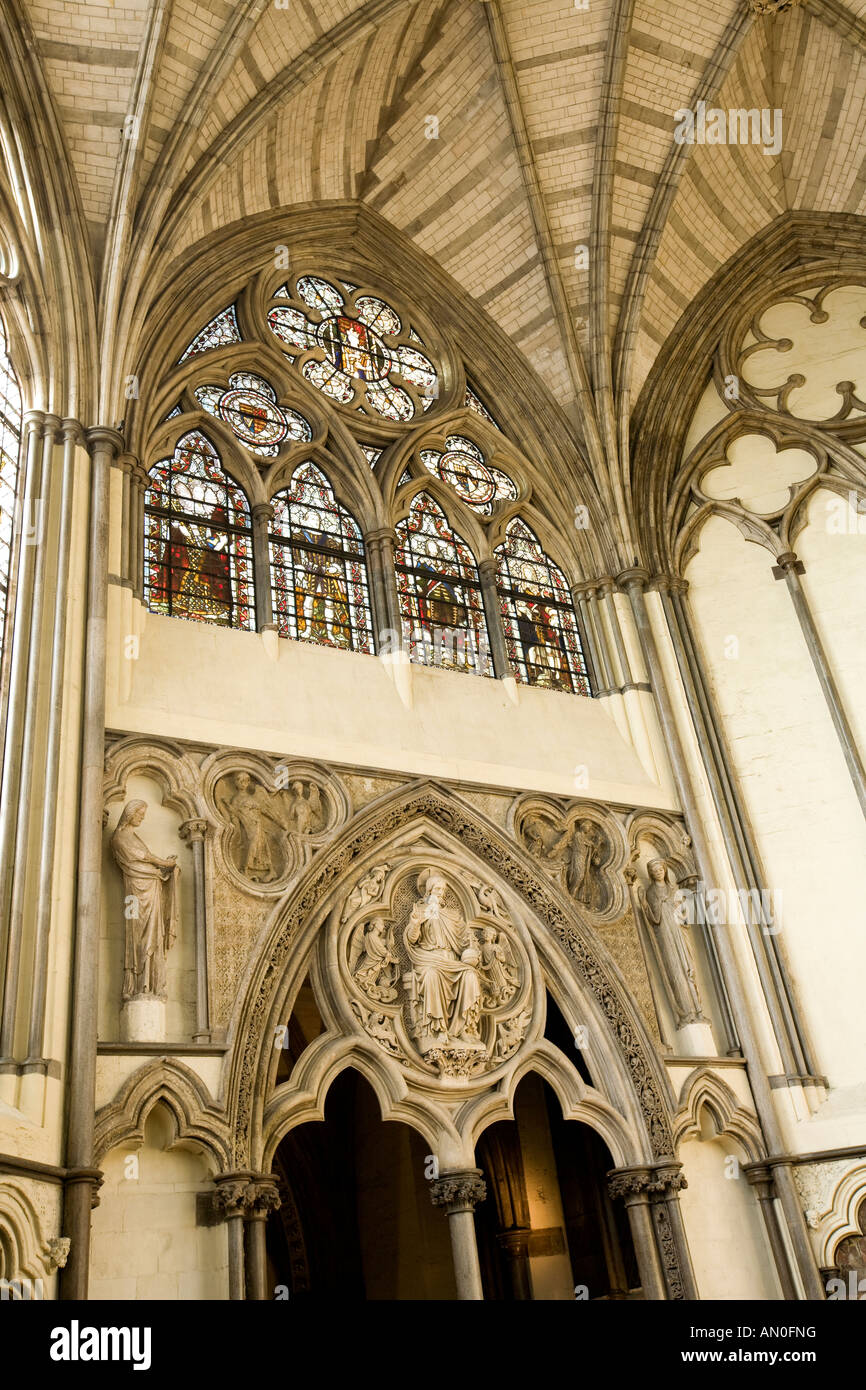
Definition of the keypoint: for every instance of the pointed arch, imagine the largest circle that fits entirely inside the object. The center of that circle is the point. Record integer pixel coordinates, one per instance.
(541, 628)
(439, 588)
(318, 565)
(199, 1120)
(704, 1092)
(198, 557)
(565, 947)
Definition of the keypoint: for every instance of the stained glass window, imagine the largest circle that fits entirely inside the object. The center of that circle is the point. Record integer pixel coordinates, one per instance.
(474, 402)
(351, 348)
(541, 630)
(222, 330)
(10, 445)
(463, 466)
(441, 607)
(372, 455)
(198, 557)
(249, 407)
(318, 571)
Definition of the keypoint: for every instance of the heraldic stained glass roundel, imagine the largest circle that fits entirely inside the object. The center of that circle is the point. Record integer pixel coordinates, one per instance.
(467, 473)
(254, 418)
(354, 348)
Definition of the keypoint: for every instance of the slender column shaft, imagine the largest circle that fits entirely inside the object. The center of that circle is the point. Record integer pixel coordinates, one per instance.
(126, 532)
(263, 1198)
(35, 1044)
(589, 647)
(262, 515)
(194, 831)
(645, 1248)
(495, 630)
(788, 565)
(27, 775)
(378, 597)
(604, 671)
(458, 1193)
(103, 444)
(19, 627)
(235, 1238)
(633, 582)
(136, 539)
(761, 1179)
(668, 1181)
(742, 857)
(618, 639)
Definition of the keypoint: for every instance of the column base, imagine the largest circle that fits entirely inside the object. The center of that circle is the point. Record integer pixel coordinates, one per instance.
(142, 1019)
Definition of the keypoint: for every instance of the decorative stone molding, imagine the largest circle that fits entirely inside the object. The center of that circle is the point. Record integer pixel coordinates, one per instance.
(271, 816)
(704, 1092)
(198, 1118)
(581, 845)
(459, 1191)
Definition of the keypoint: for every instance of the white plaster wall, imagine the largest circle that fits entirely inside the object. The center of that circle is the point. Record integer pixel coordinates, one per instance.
(200, 682)
(808, 825)
(730, 1252)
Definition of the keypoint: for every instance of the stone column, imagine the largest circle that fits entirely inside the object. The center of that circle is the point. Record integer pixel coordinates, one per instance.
(139, 482)
(379, 548)
(580, 599)
(262, 514)
(493, 615)
(632, 1185)
(789, 568)
(263, 1197)
(194, 832)
(233, 1191)
(634, 581)
(458, 1193)
(23, 723)
(103, 444)
(760, 1176)
(35, 1046)
(666, 1182)
(516, 1246)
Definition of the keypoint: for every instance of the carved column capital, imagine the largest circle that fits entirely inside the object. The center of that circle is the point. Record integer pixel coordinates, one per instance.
(194, 829)
(666, 1179)
(233, 1192)
(632, 1184)
(788, 563)
(264, 1197)
(459, 1191)
(262, 511)
(635, 578)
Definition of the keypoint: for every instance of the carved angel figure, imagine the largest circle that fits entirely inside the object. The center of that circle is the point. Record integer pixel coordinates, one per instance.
(368, 890)
(376, 966)
(304, 814)
(498, 968)
(586, 855)
(662, 905)
(150, 887)
(255, 818)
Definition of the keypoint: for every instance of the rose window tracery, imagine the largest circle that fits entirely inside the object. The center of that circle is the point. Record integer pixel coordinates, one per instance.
(355, 348)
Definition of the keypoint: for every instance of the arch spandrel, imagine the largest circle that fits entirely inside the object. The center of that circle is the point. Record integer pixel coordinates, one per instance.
(412, 825)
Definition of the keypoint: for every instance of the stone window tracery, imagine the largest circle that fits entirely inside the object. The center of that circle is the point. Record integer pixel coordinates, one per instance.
(541, 630)
(439, 589)
(318, 569)
(198, 541)
(249, 407)
(354, 348)
(462, 465)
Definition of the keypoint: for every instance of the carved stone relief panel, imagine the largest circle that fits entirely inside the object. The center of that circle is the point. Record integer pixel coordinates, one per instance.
(581, 845)
(271, 815)
(434, 967)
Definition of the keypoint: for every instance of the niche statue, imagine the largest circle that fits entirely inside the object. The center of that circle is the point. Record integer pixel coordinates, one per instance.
(663, 905)
(150, 887)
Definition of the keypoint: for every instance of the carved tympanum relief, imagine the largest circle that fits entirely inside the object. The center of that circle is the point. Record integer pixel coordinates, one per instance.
(436, 970)
(580, 846)
(272, 817)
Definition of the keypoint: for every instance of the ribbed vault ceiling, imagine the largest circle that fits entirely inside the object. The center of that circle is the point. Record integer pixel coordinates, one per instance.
(555, 131)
